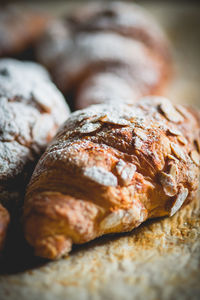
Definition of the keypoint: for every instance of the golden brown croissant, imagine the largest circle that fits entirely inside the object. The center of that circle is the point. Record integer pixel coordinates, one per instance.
(31, 110)
(106, 52)
(109, 169)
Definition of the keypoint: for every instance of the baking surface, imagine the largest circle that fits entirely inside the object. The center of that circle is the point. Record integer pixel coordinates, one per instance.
(160, 259)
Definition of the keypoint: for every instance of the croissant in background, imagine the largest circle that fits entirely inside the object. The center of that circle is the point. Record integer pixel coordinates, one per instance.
(31, 110)
(19, 30)
(106, 52)
(109, 169)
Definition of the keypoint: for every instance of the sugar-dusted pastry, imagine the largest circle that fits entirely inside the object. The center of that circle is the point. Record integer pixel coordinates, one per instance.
(109, 169)
(19, 29)
(106, 52)
(31, 110)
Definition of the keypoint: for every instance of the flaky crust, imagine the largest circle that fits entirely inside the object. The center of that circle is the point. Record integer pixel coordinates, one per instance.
(19, 29)
(31, 110)
(105, 42)
(108, 170)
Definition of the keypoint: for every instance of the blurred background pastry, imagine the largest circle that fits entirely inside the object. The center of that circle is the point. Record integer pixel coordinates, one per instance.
(106, 52)
(31, 110)
(19, 30)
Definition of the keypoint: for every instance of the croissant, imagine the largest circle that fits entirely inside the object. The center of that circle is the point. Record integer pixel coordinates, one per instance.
(109, 169)
(106, 52)
(31, 110)
(19, 30)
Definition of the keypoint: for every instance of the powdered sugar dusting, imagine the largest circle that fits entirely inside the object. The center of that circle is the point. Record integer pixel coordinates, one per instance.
(138, 143)
(13, 157)
(31, 109)
(29, 83)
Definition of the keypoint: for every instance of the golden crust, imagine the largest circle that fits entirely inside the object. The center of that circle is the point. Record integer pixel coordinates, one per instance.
(108, 170)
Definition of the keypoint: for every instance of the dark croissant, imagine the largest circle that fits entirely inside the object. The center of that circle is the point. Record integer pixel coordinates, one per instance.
(106, 52)
(109, 169)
